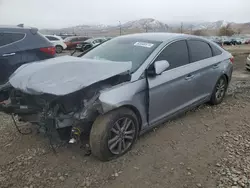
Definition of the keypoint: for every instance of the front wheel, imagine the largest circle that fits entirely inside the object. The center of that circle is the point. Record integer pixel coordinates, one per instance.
(219, 91)
(113, 134)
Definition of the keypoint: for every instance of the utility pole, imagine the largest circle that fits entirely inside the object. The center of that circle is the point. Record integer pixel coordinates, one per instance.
(120, 25)
(191, 29)
(181, 27)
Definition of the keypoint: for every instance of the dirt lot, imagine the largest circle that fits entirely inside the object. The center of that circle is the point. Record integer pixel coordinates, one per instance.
(207, 147)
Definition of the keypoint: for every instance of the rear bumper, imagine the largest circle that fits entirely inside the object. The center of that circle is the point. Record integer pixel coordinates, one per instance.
(64, 46)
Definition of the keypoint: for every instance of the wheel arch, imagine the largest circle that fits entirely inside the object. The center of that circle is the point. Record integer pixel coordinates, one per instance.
(59, 45)
(137, 113)
(226, 76)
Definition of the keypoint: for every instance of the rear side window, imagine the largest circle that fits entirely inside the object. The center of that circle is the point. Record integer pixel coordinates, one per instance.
(176, 54)
(199, 50)
(8, 38)
(216, 50)
(51, 38)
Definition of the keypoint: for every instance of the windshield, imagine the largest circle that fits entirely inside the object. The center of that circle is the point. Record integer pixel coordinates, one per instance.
(124, 49)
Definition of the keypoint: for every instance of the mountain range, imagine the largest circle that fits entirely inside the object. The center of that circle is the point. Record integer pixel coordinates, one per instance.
(149, 25)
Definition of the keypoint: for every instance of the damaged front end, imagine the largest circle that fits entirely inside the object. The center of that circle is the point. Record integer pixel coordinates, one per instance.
(62, 94)
(70, 115)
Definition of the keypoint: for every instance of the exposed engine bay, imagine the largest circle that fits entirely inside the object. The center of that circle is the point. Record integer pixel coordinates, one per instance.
(70, 115)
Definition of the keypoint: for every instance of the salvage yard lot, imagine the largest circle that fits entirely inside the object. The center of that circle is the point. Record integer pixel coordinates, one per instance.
(206, 147)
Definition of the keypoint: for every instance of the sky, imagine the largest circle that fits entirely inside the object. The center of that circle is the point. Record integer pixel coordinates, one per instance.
(64, 13)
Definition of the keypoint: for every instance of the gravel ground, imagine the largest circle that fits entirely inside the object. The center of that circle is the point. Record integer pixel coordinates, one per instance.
(207, 147)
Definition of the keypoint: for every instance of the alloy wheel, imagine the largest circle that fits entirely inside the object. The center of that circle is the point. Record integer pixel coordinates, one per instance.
(123, 133)
(220, 89)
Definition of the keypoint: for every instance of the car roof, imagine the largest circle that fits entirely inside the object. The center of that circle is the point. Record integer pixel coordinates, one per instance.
(16, 28)
(160, 37)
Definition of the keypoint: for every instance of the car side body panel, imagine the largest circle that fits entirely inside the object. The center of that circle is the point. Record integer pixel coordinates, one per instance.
(172, 87)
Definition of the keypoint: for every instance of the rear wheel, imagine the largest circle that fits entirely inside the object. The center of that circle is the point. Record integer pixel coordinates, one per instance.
(113, 134)
(59, 49)
(219, 91)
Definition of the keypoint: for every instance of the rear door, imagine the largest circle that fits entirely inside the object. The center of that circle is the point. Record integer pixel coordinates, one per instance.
(10, 54)
(206, 66)
(173, 89)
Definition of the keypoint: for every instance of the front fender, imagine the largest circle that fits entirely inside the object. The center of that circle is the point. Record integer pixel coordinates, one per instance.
(126, 94)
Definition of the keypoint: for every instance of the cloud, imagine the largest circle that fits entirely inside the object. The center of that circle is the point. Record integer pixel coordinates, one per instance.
(63, 13)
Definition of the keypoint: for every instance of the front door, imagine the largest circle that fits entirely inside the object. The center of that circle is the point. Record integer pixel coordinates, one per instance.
(172, 90)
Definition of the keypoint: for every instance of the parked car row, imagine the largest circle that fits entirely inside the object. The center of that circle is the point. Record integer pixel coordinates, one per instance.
(117, 90)
(229, 40)
(80, 43)
(235, 41)
(85, 45)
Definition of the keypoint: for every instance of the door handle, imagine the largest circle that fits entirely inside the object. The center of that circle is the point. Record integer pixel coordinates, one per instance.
(10, 54)
(188, 77)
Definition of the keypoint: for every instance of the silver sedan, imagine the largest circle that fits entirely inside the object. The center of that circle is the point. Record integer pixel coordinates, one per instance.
(125, 86)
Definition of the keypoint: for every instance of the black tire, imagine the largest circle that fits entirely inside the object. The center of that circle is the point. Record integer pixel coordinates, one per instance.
(101, 134)
(215, 98)
(59, 49)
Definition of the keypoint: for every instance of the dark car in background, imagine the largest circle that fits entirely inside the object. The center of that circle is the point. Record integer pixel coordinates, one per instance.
(83, 46)
(227, 41)
(236, 42)
(232, 41)
(72, 42)
(20, 45)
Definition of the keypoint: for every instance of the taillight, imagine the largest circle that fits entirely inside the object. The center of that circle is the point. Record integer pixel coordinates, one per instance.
(49, 50)
(232, 59)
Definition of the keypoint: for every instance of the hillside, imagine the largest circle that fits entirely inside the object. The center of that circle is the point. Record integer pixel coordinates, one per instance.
(148, 25)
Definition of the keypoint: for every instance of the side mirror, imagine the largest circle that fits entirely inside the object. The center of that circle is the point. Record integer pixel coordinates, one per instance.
(158, 67)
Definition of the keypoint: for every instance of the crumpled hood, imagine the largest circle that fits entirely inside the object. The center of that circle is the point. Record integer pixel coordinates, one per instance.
(64, 75)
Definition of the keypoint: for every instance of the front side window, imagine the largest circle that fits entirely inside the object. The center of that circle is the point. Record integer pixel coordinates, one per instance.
(199, 50)
(176, 54)
(123, 50)
(8, 38)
